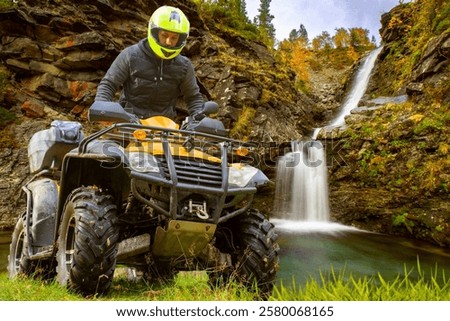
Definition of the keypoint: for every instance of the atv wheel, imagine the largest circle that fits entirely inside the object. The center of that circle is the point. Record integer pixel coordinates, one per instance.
(254, 252)
(87, 241)
(18, 259)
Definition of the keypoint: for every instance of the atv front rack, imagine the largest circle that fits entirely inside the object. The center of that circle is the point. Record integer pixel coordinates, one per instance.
(209, 179)
(124, 132)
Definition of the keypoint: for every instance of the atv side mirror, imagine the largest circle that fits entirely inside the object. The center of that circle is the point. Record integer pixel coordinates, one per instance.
(210, 107)
(109, 111)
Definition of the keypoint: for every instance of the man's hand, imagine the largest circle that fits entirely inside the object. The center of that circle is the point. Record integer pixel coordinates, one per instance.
(134, 118)
(198, 116)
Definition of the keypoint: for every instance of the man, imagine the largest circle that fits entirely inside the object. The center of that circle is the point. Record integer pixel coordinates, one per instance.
(152, 73)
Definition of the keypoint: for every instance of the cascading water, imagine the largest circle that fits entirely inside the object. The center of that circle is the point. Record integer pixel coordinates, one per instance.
(302, 183)
(301, 192)
(358, 89)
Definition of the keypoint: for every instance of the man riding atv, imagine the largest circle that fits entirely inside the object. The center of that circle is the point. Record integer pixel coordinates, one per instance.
(152, 72)
(144, 192)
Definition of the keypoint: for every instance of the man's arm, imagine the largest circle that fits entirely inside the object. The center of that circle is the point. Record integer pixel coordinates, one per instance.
(116, 75)
(191, 92)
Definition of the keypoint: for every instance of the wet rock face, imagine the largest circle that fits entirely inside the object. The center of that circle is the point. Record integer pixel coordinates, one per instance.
(58, 52)
(430, 68)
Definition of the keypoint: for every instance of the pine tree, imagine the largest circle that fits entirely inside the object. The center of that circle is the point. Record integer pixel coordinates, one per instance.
(300, 34)
(243, 9)
(264, 21)
(229, 13)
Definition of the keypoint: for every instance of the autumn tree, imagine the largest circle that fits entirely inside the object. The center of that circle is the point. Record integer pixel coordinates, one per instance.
(323, 41)
(341, 38)
(296, 53)
(300, 60)
(359, 37)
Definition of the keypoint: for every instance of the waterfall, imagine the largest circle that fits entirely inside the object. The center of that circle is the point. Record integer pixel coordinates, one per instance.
(302, 183)
(301, 192)
(358, 88)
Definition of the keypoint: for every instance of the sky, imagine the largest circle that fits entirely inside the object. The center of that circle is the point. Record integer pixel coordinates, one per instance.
(324, 15)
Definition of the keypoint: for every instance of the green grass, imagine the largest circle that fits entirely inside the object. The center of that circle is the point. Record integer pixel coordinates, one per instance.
(433, 286)
(334, 286)
(185, 287)
(27, 289)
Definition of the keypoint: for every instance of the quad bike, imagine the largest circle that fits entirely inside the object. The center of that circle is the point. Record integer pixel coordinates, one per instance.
(146, 195)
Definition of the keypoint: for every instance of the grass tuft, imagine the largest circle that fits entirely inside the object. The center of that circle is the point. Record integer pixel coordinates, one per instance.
(332, 286)
(336, 286)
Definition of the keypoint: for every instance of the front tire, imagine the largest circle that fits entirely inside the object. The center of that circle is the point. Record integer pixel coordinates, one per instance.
(254, 252)
(87, 241)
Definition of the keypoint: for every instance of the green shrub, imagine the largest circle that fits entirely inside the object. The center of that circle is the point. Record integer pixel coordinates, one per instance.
(4, 4)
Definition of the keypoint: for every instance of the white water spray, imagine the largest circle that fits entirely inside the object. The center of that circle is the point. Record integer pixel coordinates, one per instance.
(302, 178)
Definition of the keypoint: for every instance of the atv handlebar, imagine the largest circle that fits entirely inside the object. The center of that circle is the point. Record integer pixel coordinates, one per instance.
(110, 111)
(113, 111)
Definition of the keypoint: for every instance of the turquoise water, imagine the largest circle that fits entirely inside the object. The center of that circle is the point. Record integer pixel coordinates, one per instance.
(307, 250)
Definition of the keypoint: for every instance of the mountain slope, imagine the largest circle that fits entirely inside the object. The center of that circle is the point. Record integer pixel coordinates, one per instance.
(392, 173)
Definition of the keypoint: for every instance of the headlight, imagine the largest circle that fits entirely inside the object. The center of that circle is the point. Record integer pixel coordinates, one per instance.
(143, 162)
(243, 175)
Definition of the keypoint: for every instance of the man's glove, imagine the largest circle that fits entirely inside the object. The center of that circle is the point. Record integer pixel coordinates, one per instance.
(134, 118)
(198, 116)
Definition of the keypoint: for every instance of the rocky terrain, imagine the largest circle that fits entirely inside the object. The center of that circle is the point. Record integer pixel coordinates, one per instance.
(391, 170)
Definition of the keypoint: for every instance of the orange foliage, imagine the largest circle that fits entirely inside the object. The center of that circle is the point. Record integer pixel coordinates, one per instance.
(299, 61)
(352, 54)
(341, 38)
(296, 54)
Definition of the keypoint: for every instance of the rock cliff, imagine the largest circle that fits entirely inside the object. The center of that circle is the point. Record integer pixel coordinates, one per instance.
(53, 53)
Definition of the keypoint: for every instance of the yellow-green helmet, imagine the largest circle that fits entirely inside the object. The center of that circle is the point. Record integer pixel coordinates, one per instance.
(170, 19)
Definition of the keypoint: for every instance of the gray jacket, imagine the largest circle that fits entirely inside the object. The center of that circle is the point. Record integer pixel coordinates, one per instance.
(150, 85)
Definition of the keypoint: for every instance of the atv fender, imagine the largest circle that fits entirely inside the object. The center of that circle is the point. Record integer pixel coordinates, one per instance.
(42, 206)
(102, 165)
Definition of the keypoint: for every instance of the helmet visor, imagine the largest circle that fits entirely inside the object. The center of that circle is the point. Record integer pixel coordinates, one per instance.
(168, 39)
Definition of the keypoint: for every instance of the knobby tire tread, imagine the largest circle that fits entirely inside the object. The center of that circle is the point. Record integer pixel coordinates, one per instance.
(96, 238)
